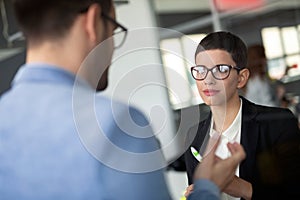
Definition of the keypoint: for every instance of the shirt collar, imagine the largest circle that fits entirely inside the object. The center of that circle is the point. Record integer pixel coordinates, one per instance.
(231, 132)
(40, 72)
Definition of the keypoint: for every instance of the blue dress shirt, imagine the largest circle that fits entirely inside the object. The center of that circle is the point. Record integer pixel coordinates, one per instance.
(59, 140)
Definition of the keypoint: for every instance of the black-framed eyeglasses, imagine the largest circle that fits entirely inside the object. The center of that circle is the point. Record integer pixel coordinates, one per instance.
(219, 72)
(120, 32)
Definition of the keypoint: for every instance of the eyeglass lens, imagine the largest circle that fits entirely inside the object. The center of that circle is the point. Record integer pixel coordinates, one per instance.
(119, 37)
(219, 72)
(120, 32)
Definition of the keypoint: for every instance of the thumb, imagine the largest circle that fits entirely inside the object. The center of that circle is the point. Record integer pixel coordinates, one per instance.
(237, 152)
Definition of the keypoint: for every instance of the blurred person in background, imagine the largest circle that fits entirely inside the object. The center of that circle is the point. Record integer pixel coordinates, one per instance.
(260, 89)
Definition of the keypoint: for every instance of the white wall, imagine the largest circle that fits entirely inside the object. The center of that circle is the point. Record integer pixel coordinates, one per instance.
(136, 74)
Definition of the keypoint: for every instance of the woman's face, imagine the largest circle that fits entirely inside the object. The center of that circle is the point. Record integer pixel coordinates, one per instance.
(217, 92)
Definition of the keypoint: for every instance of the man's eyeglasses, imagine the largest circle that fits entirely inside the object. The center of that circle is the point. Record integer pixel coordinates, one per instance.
(120, 32)
(219, 72)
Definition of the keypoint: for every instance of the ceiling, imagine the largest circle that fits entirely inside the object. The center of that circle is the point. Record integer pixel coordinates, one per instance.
(186, 6)
(184, 16)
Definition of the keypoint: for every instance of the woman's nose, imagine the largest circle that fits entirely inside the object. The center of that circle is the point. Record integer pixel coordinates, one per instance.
(209, 79)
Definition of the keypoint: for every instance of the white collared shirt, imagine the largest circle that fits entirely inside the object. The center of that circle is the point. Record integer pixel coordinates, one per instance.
(231, 134)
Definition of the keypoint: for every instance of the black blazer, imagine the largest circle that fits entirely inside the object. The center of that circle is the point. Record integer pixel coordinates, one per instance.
(271, 139)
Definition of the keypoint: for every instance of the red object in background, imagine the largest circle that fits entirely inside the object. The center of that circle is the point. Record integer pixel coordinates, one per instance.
(294, 66)
(224, 5)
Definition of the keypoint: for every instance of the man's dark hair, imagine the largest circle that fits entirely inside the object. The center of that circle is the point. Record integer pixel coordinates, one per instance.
(51, 18)
(228, 42)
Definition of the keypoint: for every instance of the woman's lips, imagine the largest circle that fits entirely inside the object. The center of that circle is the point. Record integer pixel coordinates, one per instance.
(210, 92)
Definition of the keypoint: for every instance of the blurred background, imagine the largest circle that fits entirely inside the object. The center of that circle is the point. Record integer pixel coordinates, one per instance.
(176, 27)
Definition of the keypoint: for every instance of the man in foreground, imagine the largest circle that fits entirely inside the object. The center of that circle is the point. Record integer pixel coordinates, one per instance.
(58, 140)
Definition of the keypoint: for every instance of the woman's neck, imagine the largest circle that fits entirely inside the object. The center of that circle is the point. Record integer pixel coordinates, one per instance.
(223, 116)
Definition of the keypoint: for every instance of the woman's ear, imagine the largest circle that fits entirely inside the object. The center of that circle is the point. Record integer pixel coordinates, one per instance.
(243, 78)
(92, 17)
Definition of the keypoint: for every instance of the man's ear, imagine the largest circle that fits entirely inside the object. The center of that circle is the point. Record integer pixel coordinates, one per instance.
(243, 78)
(92, 16)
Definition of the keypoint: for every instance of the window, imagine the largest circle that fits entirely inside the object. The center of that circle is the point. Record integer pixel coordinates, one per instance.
(178, 57)
(282, 50)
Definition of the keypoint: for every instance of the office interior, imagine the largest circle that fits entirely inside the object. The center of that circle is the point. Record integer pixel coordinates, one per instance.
(151, 70)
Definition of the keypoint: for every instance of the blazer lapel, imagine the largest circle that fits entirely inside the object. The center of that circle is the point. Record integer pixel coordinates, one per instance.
(249, 139)
(205, 135)
(200, 139)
